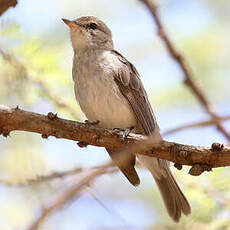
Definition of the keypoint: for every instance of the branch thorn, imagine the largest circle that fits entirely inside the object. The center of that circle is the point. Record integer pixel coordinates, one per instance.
(178, 166)
(198, 169)
(217, 146)
(82, 144)
(45, 136)
(52, 116)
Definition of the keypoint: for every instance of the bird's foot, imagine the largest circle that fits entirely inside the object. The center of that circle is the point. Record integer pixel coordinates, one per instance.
(124, 132)
(127, 131)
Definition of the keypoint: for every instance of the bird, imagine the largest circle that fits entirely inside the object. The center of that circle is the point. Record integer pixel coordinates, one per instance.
(108, 89)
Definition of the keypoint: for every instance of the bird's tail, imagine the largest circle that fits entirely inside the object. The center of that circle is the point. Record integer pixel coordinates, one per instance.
(174, 200)
(126, 165)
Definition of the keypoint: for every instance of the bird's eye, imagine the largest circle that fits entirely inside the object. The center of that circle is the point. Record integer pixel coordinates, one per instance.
(93, 26)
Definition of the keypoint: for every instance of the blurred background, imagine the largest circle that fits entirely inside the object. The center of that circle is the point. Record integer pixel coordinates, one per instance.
(35, 73)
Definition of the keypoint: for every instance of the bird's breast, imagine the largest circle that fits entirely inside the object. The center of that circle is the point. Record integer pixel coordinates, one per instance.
(100, 98)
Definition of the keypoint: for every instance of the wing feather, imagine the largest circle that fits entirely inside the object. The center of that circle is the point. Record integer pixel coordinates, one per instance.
(130, 85)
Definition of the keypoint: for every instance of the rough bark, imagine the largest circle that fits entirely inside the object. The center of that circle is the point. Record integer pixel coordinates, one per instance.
(6, 4)
(50, 125)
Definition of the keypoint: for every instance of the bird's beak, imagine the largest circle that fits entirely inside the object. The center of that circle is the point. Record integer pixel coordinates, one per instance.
(70, 24)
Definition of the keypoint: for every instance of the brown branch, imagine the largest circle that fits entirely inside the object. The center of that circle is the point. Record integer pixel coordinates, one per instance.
(45, 178)
(70, 193)
(74, 191)
(51, 125)
(189, 78)
(6, 4)
(197, 125)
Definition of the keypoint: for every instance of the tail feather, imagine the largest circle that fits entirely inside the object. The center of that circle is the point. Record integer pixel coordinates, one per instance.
(174, 200)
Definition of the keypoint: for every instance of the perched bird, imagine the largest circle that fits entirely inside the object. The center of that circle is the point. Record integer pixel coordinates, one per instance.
(108, 88)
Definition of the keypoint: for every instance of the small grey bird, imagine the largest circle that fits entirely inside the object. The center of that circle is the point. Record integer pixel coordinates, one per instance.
(108, 88)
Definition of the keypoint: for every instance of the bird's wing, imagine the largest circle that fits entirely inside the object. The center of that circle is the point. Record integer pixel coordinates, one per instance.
(128, 80)
(130, 85)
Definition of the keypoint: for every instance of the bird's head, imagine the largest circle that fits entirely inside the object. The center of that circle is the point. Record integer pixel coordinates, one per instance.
(88, 33)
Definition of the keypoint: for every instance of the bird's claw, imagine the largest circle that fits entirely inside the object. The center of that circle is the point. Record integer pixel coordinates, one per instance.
(124, 132)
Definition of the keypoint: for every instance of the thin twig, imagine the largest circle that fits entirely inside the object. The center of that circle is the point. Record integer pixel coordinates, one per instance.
(196, 125)
(58, 175)
(189, 79)
(54, 98)
(102, 204)
(41, 179)
(69, 194)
